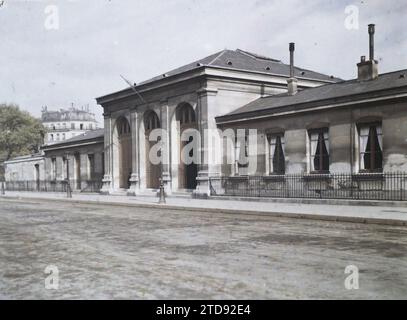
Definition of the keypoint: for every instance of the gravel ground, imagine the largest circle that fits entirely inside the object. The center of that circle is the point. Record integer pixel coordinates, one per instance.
(109, 252)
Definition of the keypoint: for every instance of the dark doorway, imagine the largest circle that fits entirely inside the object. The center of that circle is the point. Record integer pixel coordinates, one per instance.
(124, 136)
(78, 171)
(187, 171)
(153, 171)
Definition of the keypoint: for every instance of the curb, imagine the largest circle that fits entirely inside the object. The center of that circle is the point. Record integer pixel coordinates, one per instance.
(310, 216)
(336, 202)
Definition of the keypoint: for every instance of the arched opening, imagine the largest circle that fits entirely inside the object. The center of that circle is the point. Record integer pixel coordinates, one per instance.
(153, 171)
(187, 172)
(124, 148)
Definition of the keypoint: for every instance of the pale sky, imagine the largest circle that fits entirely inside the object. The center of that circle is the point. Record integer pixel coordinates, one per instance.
(97, 40)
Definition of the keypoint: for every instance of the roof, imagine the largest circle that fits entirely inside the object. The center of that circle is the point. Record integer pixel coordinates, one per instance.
(82, 138)
(32, 156)
(71, 114)
(343, 91)
(243, 60)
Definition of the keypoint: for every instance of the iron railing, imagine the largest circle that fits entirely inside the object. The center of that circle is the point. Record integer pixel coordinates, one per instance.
(374, 186)
(54, 185)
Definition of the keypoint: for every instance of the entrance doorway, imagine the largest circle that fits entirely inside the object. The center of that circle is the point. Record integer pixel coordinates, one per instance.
(125, 168)
(77, 157)
(153, 171)
(187, 171)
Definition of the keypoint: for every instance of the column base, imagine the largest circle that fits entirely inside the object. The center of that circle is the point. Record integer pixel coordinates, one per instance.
(167, 183)
(202, 190)
(106, 185)
(134, 185)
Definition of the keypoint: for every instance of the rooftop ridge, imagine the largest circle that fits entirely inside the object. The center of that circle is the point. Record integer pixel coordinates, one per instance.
(257, 56)
(217, 57)
(326, 92)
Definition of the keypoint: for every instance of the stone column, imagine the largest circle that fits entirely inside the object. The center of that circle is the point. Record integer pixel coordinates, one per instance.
(107, 178)
(165, 125)
(206, 122)
(135, 154)
(296, 151)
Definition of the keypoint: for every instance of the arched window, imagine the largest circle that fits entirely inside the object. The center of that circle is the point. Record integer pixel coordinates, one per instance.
(319, 146)
(123, 127)
(276, 153)
(371, 147)
(151, 121)
(186, 114)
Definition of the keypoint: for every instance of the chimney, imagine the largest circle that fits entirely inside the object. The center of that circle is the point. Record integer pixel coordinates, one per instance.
(292, 81)
(367, 70)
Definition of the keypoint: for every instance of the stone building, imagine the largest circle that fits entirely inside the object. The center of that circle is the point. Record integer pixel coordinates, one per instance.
(355, 128)
(189, 97)
(64, 124)
(25, 168)
(79, 159)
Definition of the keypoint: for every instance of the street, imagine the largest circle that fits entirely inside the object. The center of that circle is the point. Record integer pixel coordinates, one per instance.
(118, 252)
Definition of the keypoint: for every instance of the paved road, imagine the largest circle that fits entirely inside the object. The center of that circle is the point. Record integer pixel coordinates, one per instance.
(118, 252)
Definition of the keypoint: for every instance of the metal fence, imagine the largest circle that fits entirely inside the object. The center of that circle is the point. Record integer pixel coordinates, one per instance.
(54, 186)
(380, 186)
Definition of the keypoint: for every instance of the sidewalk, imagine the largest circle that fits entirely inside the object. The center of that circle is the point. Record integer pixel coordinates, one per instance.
(391, 215)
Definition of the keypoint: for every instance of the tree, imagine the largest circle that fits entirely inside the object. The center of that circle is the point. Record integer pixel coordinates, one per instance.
(20, 133)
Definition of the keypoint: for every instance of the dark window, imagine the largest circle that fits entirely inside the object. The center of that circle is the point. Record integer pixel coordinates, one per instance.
(371, 153)
(186, 115)
(53, 169)
(91, 169)
(151, 121)
(319, 151)
(277, 158)
(242, 149)
(123, 127)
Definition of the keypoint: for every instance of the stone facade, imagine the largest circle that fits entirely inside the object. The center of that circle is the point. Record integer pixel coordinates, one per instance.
(342, 125)
(80, 159)
(25, 168)
(209, 91)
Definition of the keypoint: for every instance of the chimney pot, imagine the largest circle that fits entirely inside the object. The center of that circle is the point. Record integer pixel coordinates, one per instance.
(371, 29)
(292, 48)
(292, 81)
(367, 70)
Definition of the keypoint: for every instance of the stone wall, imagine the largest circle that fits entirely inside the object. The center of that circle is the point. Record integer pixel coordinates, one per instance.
(24, 168)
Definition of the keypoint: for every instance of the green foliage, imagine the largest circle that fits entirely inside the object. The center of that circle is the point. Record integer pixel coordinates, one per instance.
(20, 133)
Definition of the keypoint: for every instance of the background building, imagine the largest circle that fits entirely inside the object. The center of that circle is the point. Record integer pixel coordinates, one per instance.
(64, 124)
(79, 160)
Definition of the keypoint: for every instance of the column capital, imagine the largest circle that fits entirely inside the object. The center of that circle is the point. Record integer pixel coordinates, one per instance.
(164, 102)
(207, 91)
